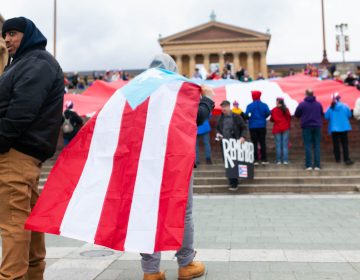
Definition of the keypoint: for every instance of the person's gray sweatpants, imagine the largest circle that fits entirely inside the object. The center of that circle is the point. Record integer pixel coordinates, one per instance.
(150, 263)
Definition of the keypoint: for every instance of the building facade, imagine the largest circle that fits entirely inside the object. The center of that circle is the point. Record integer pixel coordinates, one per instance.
(215, 44)
(3, 51)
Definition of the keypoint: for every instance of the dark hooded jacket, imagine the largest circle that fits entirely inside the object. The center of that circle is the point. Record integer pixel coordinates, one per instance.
(31, 98)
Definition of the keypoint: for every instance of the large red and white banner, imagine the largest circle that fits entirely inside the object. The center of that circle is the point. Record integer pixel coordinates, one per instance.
(123, 181)
(292, 89)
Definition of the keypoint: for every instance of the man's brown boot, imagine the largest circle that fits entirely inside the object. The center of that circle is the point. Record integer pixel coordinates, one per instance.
(192, 270)
(155, 276)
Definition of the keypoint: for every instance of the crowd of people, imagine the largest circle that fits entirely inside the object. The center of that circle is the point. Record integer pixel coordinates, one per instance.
(234, 123)
(74, 81)
(241, 75)
(331, 73)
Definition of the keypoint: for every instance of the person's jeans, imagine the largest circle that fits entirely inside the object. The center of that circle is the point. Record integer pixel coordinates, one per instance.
(258, 135)
(311, 137)
(206, 140)
(23, 251)
(150, 263)
(343, 138)
(282, 146)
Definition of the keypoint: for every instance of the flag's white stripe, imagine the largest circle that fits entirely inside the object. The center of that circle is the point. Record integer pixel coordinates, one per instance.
(270, 91)
(143, 217)
(83, 212)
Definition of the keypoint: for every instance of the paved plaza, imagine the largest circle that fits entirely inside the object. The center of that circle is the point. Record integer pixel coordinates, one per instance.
(262, 237)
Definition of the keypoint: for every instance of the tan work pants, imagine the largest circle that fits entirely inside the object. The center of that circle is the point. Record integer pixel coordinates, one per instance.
(23, 251)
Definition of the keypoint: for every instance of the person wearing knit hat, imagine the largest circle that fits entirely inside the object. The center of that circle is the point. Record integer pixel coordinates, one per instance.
(338, 115)
(31, 94)
(257, 112)
(237, 110)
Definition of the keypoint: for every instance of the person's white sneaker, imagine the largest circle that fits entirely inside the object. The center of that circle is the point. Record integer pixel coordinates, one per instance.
(286, 162)
(279, 162)
(317, 168)
(309, 168)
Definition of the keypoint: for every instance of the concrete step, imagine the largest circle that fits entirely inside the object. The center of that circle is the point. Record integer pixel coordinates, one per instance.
(275, 188)
(281, 181)
(282, 173)
(294, 165)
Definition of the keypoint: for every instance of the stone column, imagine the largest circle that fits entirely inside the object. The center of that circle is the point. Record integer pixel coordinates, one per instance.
(250, 64)
(263, 65)
(236, 61)
(191, 65)
(207, 62)
(221, 62)
(179, 63)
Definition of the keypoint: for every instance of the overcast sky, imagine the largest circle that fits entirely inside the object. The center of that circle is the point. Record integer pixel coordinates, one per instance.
(113, 34)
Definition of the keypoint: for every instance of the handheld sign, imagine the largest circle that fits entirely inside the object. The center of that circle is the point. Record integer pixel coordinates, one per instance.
(238, 158)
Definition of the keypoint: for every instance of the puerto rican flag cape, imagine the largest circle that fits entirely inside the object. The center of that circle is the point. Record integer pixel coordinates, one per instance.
(123, 181)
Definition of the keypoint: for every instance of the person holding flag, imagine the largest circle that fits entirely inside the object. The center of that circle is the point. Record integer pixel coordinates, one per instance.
(188, 269)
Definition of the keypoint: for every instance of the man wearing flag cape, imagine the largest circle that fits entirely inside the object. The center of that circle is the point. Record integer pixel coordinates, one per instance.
(188, 269)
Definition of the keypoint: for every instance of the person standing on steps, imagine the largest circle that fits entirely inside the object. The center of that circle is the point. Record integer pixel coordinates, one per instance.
(281, 118)
(338, 115)
(310, 113)
(257, 112)
(203, 133)
(231, 125)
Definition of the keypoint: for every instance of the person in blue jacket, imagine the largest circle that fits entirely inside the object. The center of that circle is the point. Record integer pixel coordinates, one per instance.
(203, 131)
(338, 115)
(257, 112)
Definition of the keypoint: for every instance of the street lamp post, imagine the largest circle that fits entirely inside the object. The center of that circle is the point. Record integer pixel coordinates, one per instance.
(55, 19)
(341, 28)
(325, 60)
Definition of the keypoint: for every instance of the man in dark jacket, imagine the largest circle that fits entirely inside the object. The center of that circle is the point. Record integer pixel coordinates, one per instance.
(31, 99)
(231, 125)
(310, 112)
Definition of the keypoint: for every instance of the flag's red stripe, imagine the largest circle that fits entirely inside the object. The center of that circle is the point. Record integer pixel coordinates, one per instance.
(178, 165)
(49, 211)
(114, 218)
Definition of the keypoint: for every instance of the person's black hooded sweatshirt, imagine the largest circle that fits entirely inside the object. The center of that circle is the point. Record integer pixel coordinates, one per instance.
(31, 98)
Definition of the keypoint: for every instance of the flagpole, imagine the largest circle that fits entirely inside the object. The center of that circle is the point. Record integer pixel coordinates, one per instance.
(55, 19)
(325, 60)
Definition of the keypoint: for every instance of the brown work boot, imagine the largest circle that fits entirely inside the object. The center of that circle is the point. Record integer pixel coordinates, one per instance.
(154, 276)
(192, 270)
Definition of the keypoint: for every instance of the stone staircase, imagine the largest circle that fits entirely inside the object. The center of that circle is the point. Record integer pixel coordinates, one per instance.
(273, 178)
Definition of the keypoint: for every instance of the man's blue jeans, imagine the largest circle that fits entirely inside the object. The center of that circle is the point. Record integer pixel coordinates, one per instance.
(206, 140)
(312, 137)
(282, 146)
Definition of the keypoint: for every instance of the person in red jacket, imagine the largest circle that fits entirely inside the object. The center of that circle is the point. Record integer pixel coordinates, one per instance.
(281, 118)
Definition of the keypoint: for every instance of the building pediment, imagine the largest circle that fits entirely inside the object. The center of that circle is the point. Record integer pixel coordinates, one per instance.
(214, 31)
